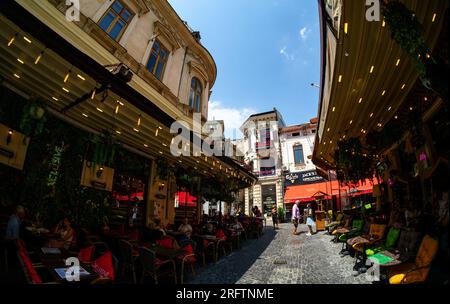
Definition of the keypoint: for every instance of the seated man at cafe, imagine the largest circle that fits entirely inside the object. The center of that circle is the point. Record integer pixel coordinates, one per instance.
(13, 227)
(186, 228)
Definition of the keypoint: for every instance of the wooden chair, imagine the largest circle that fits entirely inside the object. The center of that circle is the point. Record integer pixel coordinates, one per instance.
(416, 272)
(333, 225)
(151, 265)
(360, 244)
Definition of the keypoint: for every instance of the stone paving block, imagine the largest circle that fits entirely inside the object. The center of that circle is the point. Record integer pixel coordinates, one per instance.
(309, 260)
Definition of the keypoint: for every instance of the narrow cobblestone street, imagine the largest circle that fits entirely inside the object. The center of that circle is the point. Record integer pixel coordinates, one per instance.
(279, 257)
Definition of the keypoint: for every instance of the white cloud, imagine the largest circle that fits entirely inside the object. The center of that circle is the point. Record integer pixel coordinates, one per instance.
(304, 33)
(286, 54)
(232, 117)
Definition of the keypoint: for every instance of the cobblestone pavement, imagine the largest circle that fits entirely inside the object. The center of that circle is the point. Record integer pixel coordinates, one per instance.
(279, 257)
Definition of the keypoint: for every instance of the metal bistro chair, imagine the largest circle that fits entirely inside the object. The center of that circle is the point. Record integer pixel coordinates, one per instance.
(129, 257)
(152, 265)
(189, 257)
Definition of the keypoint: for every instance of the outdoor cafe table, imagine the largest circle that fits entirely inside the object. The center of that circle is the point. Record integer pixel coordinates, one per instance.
(391, 258)
(175, 233)
(169, 253)
(53, 261)
(39, 236)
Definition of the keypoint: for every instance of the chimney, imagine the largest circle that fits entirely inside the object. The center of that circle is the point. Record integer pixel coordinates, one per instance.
(197, 36)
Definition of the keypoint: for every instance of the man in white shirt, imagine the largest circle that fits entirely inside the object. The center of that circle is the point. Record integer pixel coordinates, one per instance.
(295, 216)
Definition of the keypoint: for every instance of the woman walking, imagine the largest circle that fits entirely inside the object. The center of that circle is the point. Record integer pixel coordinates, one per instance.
(309, 219)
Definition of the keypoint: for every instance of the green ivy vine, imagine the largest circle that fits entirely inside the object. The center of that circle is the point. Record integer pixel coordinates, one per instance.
(33, 118)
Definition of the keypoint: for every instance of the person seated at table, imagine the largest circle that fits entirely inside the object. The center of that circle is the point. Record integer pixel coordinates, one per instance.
(237, 226)
(157, 226)
(67, 235)
(208, 228)
(256, 212)
(186, 228)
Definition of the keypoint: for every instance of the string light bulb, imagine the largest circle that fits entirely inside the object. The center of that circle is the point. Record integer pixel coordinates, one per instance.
(67, 76)
(38, 58)
(116, 110)
(12, 39)
(94, 91)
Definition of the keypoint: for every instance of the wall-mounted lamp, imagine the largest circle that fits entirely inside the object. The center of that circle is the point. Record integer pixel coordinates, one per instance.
(99, 172)
(9, 137)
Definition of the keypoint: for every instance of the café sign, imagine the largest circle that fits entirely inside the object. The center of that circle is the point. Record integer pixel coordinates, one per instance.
(303, 178)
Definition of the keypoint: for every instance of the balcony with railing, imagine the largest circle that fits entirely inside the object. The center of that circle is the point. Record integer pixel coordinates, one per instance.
(264, 145)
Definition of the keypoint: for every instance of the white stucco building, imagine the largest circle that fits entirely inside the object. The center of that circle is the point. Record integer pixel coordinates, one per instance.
(261, 149)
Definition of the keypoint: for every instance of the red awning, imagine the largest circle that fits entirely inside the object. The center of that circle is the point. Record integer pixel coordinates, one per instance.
(186, 199)
(121, 197)
(307, 193)
(360, 188)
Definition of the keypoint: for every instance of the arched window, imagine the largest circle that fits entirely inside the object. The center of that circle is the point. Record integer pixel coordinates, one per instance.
(195, 96)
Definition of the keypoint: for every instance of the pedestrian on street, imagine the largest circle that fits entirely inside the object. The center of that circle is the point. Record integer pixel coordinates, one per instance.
(295, 216)
(309, 219)
(275, 217)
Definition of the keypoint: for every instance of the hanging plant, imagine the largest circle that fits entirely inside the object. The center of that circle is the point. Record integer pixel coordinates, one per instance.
(104, 150)
(33, 118)
(407, 31)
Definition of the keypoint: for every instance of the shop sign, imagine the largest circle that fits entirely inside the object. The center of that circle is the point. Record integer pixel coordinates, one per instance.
(303, 178)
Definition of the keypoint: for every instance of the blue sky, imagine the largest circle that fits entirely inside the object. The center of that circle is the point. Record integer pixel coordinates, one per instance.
(267, 54)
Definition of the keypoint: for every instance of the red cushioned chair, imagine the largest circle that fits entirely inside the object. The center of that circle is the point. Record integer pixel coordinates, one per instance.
(154, 266)
(29, 269)
(85, 254)
(106, 267)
